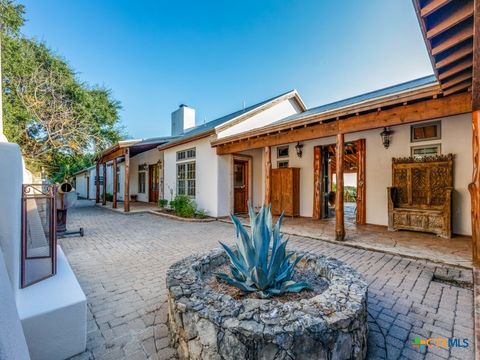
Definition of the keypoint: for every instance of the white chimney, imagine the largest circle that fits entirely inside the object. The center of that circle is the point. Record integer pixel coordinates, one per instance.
(182, 119)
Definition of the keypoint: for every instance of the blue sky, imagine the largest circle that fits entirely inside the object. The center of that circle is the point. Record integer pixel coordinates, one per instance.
(213, 55)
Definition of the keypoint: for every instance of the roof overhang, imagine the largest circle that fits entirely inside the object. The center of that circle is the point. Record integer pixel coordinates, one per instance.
(324, 125)
(448, 30)
(294, 95)
(402, 98)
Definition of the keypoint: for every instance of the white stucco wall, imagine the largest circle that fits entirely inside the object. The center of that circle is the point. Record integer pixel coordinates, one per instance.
(279, 111)
(81, 183)
(12, 340)
(207, 164)
(456, 139)
(11, 179)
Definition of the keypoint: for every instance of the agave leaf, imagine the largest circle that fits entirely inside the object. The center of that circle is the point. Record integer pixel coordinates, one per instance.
(237, 274)
(277, 236)
(259, 277)
(297, 287)
(237, 262)
(242, 286)
(276, 262)
(287, 273)
(251, 215)
(268, 217)
(261, 240)
(244, 243)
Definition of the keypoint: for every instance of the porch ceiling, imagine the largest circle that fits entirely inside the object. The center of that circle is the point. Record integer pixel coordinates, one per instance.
(448, 29)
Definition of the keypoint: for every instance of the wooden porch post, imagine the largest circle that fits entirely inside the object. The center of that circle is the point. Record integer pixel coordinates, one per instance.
(104, 199)
(361, 186)
(339, 216)
(474, 187)
(114, 170)
(267, 153)
(97, 182)
(317, 173)
(126, 191)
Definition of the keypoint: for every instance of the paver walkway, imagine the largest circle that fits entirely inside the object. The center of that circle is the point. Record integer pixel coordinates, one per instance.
(122, 260)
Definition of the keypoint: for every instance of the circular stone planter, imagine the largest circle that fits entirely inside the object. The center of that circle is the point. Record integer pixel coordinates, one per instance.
(206, 323)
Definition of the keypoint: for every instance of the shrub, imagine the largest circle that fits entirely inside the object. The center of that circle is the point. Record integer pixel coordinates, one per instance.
(162, 203)
(184, 206)
(201, 214)
(255, 267)
(109, 197)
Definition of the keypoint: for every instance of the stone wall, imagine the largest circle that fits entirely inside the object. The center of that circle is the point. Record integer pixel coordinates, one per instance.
(207, 324)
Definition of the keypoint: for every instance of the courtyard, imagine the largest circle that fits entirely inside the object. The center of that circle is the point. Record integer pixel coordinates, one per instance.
(122, 261)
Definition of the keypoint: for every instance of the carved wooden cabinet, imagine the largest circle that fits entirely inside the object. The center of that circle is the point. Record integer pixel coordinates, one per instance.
(286, 191)
(420, 198)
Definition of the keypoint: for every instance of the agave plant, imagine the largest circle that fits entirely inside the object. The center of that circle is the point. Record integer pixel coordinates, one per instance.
(260, 262)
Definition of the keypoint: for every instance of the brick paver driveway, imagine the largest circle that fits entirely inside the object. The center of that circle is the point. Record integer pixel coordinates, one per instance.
(122, 260)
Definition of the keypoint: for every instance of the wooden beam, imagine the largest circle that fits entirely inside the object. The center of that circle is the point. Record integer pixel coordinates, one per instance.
(460, 66)
(457, 79)
(267, 158)
(104, 192)
(317, 173)
(453, 40)
(474, 187)
(476, 58)
(113, 155)
(126, 191)
(97, 182)
(339, 216)
(361, 182)
(462, 86)
(461, 13)
(420, 111)
(462, 51)
(434, 5)
(115, 190)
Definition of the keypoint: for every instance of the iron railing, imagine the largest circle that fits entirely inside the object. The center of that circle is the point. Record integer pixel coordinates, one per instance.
(39, 233)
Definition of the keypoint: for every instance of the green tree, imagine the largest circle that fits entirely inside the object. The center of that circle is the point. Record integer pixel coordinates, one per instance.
(59, 121)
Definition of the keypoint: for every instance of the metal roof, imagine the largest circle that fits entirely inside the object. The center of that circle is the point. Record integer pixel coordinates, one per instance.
(391, 90)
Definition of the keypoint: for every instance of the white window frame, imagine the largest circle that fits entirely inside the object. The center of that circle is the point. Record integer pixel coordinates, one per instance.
(281, 164)
(437, 146)
(187, 184)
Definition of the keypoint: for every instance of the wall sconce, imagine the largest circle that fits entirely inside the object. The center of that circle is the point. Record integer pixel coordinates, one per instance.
(298, 149)
(386, 135)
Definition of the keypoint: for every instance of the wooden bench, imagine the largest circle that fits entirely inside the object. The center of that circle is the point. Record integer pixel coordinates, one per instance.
(420, 198)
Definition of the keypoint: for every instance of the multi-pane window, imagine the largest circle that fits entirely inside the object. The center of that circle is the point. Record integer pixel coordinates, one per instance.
(186, 174)
(427, 150)
(186, 154)
(282, 164)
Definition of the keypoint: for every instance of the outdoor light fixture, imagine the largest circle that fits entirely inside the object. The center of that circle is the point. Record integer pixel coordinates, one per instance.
(298, 149)
(386, 135)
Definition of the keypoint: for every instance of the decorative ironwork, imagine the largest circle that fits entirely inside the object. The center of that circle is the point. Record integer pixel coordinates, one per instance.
(422, 159)
(39, 235)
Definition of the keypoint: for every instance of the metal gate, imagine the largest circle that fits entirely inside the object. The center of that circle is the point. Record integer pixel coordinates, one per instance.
(39, 233)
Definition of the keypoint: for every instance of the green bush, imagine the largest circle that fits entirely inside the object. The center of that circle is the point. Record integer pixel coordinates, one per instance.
(201, 214)
(109, 197)
(162, 203)
(184, 206)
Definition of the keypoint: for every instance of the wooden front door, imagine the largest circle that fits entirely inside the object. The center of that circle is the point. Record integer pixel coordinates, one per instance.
(153, 183)
(240, 186)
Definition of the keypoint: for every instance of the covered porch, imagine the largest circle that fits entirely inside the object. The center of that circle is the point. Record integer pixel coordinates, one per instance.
(363, 225)
(130, 175)
(456, 251)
